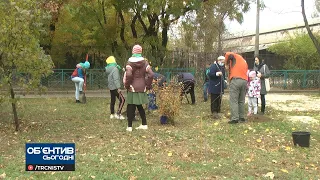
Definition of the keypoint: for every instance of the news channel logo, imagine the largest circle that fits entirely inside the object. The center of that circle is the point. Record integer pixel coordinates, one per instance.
(50, 157)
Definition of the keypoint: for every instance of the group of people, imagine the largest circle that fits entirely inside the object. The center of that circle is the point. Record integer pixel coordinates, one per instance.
(138, 78)
(242, 82)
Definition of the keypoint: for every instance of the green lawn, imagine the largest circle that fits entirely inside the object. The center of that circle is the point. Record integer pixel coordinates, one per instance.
(197, 147)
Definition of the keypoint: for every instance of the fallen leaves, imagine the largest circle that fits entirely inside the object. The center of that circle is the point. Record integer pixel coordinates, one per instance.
(3, 175)
(284, 170)
(269, 175)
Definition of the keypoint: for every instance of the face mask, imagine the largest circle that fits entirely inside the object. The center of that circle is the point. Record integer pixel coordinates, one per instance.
(221, 63)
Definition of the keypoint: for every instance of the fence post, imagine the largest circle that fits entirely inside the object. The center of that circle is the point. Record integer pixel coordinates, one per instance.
(285, 79)
(304, 82)
(62, 79)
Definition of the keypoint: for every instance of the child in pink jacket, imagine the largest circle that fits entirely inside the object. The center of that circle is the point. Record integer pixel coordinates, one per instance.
(254, 87)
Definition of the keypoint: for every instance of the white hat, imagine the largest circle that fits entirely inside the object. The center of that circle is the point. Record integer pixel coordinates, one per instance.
(221, 58)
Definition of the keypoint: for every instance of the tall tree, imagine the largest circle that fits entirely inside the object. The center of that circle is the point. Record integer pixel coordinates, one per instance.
(312, 37)
(210, 20)
(22, 61)
(298, 52)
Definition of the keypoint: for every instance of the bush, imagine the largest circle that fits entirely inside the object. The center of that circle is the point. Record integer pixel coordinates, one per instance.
(169, 102)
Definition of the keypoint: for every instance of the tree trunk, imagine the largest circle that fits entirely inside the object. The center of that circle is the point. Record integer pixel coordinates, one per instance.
(219, 42)
(122, 30)
(314, 40)
(14, 108)
(165, 35)
(133, 27)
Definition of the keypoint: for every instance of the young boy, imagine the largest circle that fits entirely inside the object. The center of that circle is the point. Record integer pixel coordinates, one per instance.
(253, 93)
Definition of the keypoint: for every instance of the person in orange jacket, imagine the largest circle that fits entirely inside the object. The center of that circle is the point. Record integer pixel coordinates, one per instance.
(238, 77)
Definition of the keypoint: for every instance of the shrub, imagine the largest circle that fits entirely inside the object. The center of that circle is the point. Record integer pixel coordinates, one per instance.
(169, 102)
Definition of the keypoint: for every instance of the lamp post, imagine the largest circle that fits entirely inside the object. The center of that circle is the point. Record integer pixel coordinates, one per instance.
(256, 44)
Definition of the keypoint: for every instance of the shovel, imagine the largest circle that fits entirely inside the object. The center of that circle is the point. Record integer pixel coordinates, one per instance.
(84, 98)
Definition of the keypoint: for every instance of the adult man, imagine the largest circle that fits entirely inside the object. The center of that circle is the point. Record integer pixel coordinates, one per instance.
(188, 81)
(238, 78)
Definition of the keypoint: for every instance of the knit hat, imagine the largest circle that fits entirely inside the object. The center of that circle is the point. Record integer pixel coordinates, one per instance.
(85, 65)
(110, 60)
(137, 49)
(221, 58)
(252, 74)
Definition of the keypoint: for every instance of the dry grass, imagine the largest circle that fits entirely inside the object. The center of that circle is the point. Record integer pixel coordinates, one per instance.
(195, 148)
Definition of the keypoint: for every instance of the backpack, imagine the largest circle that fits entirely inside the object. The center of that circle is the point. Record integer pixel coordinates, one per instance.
(75, 73)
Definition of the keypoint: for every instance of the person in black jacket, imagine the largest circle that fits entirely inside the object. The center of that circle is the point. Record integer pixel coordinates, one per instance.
(188, 81)
(216, 85)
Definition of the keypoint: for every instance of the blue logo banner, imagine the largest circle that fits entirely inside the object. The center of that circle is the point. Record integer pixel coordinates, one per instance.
(50, 156)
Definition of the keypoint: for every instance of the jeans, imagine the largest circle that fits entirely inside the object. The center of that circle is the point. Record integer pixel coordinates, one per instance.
(78, 82)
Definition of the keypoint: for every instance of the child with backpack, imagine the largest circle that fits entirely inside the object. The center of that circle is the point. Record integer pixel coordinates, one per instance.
(78, 77)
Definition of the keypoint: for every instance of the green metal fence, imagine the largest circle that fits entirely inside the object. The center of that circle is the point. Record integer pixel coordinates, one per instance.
(96, 78)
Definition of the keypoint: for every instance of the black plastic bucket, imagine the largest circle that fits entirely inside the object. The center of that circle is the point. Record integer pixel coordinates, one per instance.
(301, 138)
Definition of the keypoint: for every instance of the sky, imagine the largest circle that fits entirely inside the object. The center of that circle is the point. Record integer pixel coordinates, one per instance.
(276, 14)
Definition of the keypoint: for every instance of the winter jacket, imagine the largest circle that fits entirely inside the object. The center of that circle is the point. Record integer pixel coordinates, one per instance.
(238, 66)
(254, 88)
(265, 73)
(216, 83)
(113, 76)
(138, 76)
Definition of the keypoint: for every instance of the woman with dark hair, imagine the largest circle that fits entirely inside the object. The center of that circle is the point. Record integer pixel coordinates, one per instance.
(263, 72)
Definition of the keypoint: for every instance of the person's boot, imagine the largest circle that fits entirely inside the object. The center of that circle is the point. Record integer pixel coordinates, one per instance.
(233, 121)
(78, 101)
(242, 120)
(216, 115)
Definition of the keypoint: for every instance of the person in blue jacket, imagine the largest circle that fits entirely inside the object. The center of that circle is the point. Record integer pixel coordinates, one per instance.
(206, 82)
(216, 85)
(78, 78)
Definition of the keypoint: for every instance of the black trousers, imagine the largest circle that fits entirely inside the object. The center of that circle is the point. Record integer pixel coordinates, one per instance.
(216, 103)
(131, 109)
(263, 102)
(114, 95)
(188, 87)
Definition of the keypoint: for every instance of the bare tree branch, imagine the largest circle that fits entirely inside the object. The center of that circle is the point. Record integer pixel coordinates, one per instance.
(312, 37)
